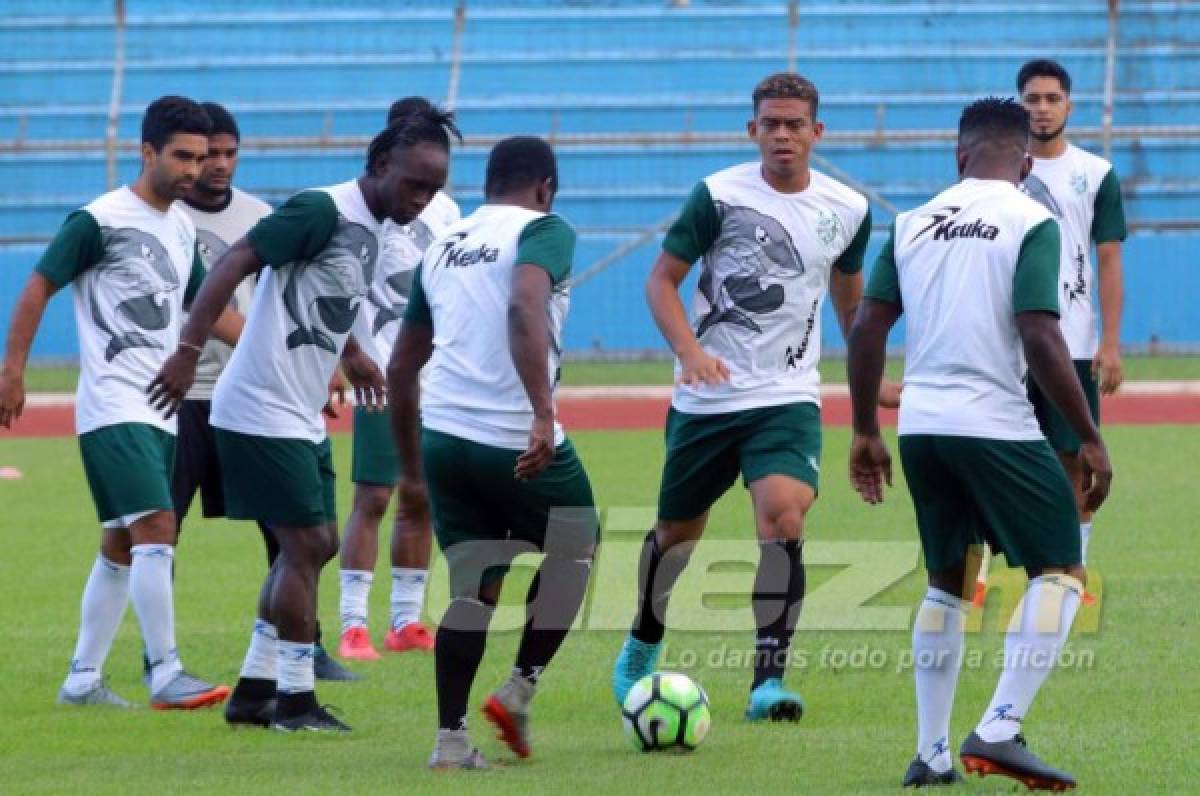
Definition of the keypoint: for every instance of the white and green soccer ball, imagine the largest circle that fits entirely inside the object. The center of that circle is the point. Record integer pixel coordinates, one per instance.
(666, 710)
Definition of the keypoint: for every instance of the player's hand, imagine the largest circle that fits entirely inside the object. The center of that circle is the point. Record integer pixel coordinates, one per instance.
(540, 453)
(889, 394)
(1107, 369)
(337, 395)
(698, 367)
(1097, 474)
(370, 387)
(412, 501)
(12, 397)
(173, 381)
(870, 467)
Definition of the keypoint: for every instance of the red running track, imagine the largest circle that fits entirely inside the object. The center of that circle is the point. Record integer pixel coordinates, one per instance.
(599, 414)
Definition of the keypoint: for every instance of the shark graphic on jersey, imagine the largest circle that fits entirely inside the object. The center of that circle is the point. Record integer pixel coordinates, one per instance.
(337, 282)
(1037, 190)
(753, 249)
(140, 272)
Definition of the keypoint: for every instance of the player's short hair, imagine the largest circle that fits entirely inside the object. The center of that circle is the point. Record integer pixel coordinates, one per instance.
(425, 125)
(994, 120)
(407, 106)
(517, 163)
(786, 85)
(172, 114)
(222, 120)
(1043, 67)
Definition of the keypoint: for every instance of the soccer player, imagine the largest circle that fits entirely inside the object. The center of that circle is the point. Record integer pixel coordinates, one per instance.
(975, 269)
(1084, 194)
(322, 247)
(221, 214)
(374, 457)
(486, 313)
(774, 236)
(132, 259)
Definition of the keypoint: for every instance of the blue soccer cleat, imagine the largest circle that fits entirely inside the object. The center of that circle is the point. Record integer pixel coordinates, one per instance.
(636, 660)
(772, 702)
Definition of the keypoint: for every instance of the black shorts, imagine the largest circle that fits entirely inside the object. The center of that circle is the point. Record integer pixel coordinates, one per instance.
(197, 466)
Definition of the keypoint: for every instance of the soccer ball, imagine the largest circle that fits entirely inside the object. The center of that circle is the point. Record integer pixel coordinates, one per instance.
(666, 710)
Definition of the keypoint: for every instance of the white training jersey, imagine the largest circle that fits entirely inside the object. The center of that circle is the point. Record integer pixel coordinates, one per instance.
(470, 387)
(403, 247)
(322, 246)
(963, 266)
(132, 268)
(216, 231)
(767, 258)
(1083, 193)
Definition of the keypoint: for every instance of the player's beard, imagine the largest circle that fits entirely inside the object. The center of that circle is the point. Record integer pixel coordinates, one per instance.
(1049, 136)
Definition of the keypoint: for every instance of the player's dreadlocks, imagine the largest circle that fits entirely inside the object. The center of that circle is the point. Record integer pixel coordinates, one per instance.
(432, 125)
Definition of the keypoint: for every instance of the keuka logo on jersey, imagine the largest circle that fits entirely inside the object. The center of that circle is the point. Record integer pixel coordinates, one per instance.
(454, 255)
(944, 228)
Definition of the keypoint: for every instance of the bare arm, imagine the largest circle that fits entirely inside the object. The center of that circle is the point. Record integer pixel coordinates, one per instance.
(529, 343)
(228, 326)
(870, 462)
(662, 294)
(846, 292)
(370, 387)
(27, 316)
(414, 346)
(1107, 365)
(1050, 365)
(175, 377)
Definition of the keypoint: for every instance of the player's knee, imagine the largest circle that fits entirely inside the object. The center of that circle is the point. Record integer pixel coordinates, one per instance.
(671, 533)
(371, 501)
(786, 523)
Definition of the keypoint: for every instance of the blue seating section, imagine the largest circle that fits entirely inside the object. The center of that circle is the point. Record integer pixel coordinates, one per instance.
(592, 72)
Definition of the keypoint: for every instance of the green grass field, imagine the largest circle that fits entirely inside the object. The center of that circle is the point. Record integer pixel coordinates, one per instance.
(583, 373)
(1122, 719)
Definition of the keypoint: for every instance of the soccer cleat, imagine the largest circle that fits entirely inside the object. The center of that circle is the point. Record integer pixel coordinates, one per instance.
(508, 711)
(453, 750)
(920, 775)
(249, 712)
(770, 701)
(1089, 598)
(356, 645)
(636, 660)
(1012, 759)
(188, 692)
(318, 719)
(413, 636)
(980, 596)
(99, 694)
(326, 667)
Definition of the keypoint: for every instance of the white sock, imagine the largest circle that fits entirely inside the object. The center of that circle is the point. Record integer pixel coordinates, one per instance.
(1038, 629)
(152, 593)
(408, 595)
(104, 599)
(356, 586)
(1085, 535)
(937, 658)
(295, 667)
(262, 658)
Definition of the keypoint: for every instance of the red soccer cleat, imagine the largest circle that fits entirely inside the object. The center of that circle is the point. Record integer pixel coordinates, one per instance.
(356, 645)
(413, 636)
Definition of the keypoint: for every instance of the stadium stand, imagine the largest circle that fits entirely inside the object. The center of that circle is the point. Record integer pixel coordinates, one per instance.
(641, 99)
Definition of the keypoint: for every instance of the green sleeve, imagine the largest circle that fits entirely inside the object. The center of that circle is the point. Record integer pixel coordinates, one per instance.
(418, 310)
(298, 230)
(77, 247)
(1108, 216)
(549, 243)
(1035, 281)
(851, 261)
(697, 227)
(884, 284)
(195, 278)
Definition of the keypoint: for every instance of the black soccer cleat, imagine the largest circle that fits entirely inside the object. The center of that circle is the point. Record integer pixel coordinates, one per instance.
(249, 712)
(1012, 759)
(318, 719)
(326, 667)
(920, 775)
